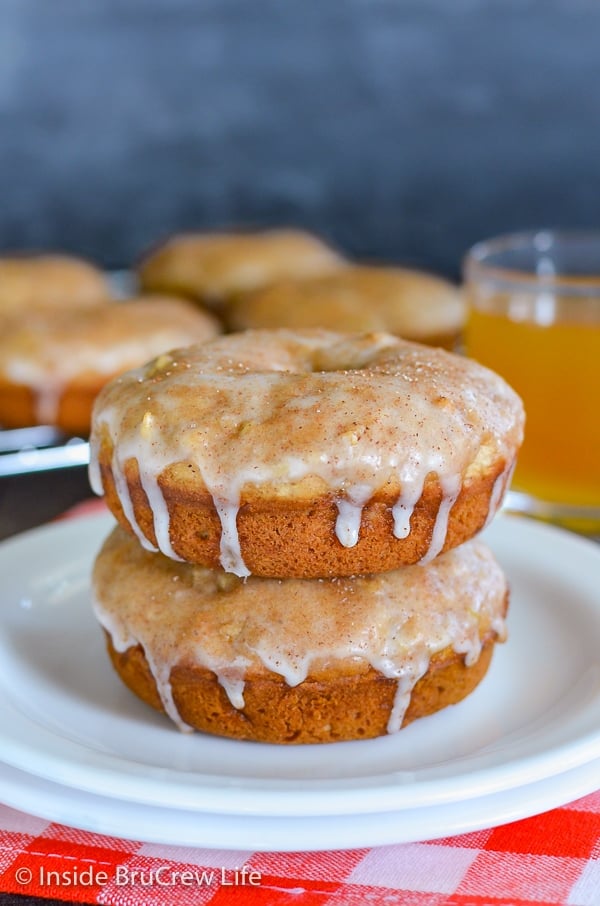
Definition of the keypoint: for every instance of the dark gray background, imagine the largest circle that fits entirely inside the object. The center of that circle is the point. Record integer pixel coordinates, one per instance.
(401, 129)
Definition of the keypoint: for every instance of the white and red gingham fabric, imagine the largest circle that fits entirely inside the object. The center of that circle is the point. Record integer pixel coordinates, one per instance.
(552, 859)
(548, 860)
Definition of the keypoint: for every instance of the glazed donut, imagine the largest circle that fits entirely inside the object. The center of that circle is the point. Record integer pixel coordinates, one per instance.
(50, 282)
(411, 304)
(298, 661)
(305, 453)
(53, 364)
(211, 267)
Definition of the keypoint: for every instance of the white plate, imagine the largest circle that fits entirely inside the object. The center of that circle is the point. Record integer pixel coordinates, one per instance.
(65, 717)
(159, 824)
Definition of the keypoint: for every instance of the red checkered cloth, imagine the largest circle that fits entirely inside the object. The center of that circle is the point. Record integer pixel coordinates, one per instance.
(552, 859)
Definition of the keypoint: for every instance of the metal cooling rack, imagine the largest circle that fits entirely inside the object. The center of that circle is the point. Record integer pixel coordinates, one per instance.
(40, 449)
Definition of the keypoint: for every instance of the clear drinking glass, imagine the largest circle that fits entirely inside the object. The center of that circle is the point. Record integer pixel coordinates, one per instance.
(534, 317)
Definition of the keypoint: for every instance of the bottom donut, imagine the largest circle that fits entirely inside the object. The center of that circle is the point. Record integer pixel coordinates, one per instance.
(298, 660)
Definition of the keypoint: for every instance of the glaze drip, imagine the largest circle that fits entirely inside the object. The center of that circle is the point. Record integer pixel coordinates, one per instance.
(122, 489)
(349, 518)
(231, 554)
(160, 514)
(450, 491)
(501, 486)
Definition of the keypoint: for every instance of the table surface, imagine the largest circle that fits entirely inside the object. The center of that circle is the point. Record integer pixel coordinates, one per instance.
(27, 501)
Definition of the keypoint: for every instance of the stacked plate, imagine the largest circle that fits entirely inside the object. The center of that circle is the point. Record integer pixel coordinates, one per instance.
(76, 747)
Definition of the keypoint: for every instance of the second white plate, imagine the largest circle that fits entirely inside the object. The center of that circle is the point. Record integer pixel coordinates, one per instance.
(181, 827)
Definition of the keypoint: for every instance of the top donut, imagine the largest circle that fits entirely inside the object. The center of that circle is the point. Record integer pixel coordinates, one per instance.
(213, 267)
(305, 453)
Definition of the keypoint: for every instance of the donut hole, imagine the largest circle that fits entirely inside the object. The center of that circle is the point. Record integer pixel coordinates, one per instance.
(356, 353)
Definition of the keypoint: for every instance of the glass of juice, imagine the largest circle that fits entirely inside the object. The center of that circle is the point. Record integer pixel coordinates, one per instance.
(534, 317)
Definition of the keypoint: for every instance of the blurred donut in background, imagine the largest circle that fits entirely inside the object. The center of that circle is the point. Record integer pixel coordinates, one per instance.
(213, 267)
(54, 363)
(49, 282)
(411, 304)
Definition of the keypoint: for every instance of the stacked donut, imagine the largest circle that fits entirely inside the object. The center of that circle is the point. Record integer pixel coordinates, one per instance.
(295, 559)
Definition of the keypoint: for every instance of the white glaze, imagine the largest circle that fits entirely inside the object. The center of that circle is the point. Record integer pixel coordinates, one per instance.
(495, 496)
(95, 477)
(347, 525)
(394, 622)
(122, 639)
(234, 687)
(161, 671)
(231, 554)
(46, 402)
(501, 485)
(122, 489)
(450, 490)
(160, 514)
(404, 507)
(400, 706)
